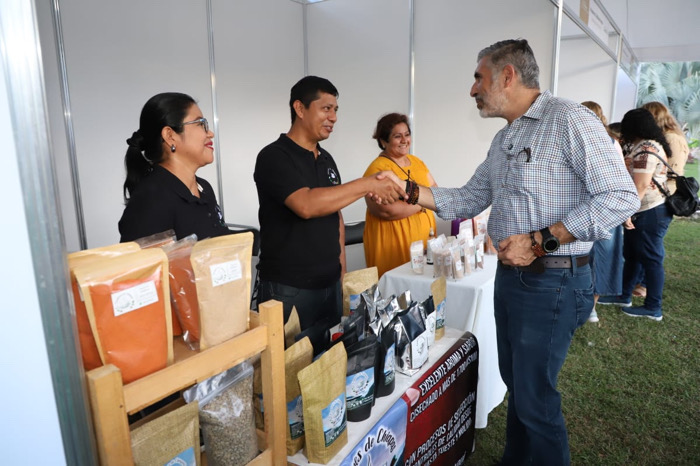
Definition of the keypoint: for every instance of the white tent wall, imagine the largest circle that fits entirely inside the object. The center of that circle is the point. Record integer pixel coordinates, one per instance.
(259, 55)
(362, 46)
(626, 96)
(118, 55)
(586, 72)
(451, 137)
(57, 125)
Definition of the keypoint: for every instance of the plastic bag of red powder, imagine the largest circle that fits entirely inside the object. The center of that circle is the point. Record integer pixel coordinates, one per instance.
(157, 240)
(127, 299)
(88, 347)
(161, 240)
(183, 291)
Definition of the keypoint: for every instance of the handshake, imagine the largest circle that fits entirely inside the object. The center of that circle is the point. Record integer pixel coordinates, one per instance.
(386, 188)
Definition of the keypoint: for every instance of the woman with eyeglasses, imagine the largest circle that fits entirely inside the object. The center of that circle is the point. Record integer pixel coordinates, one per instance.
(162, 190)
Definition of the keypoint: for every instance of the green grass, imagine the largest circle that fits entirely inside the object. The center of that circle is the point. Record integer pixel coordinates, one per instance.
(631, 387)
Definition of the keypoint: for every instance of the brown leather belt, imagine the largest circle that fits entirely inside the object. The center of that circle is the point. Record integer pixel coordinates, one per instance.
(550, 262)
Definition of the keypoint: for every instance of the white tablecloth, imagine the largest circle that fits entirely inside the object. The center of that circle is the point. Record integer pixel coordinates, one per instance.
(468, 306)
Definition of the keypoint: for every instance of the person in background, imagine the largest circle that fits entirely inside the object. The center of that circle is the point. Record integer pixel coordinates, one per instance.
(679, 147)
(302, 248)
(645, 149)
(640, 289)
(162, 190)
(674, 136)
(390, 229)
(615, 131)
(606, 254)
(555, 185)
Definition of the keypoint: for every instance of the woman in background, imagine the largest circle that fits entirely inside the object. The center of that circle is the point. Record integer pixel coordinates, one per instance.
(645, 149)
(674, 136)
(161, 190)
(606, 255)
(390, 229)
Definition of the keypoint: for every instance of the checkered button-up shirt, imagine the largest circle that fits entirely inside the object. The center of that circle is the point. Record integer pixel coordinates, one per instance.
(554, 163)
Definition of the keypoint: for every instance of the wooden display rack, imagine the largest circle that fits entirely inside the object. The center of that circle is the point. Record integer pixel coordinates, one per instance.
(111, 401)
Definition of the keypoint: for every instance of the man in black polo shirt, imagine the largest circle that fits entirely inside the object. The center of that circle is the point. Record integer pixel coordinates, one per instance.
(302, 232)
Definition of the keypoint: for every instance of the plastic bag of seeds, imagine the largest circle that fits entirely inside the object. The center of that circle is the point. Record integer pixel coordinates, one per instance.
(226, 416)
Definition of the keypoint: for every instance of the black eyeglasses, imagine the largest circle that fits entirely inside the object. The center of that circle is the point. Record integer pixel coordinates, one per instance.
(201, 121)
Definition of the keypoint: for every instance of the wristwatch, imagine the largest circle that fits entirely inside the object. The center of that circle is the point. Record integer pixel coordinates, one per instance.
(550, 243)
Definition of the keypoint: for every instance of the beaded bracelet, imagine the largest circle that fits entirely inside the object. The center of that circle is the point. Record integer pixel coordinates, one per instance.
(413, 191)
(536, 247)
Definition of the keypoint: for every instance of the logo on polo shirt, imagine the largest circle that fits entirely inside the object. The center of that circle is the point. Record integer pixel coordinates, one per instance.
(221, 215)
(333, 176)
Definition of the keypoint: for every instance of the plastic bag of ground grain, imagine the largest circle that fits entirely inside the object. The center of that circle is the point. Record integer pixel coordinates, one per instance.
(183, 291)
(88, 347)
(222, 274)
(128, 304)
(354, 283)
(226, 416)
(171, 439)
(439, 291)
(322, 385)
(296, 357)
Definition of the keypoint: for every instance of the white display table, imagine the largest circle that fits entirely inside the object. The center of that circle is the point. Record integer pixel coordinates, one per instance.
(468, 306)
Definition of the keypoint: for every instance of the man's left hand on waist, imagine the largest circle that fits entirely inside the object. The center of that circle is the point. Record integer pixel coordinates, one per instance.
(516, 250)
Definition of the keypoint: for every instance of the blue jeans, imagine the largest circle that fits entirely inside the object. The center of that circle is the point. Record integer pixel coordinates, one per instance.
(536, 316)
(607, 263)
(644, 252)
(312, 304)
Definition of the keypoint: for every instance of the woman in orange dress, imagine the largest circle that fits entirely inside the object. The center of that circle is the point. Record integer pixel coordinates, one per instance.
(390, 229)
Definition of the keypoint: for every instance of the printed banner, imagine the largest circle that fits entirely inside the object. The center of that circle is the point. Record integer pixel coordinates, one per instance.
(442, 407)
(384, 444)
(433, 421)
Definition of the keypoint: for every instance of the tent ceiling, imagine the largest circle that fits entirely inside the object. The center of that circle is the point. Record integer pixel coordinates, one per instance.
(659, 30)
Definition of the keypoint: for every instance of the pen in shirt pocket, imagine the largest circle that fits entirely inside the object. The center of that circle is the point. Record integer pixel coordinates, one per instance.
(528, 154)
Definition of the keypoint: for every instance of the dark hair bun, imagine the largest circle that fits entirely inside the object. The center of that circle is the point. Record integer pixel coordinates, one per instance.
(136, 140)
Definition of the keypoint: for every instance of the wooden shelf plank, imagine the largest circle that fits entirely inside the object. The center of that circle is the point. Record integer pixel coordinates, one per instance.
(111, 425)
(274, 395)
(195, 368)
(110, 400)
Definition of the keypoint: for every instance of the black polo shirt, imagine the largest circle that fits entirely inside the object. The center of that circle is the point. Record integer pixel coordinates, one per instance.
(161, 202)
(293, 251)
